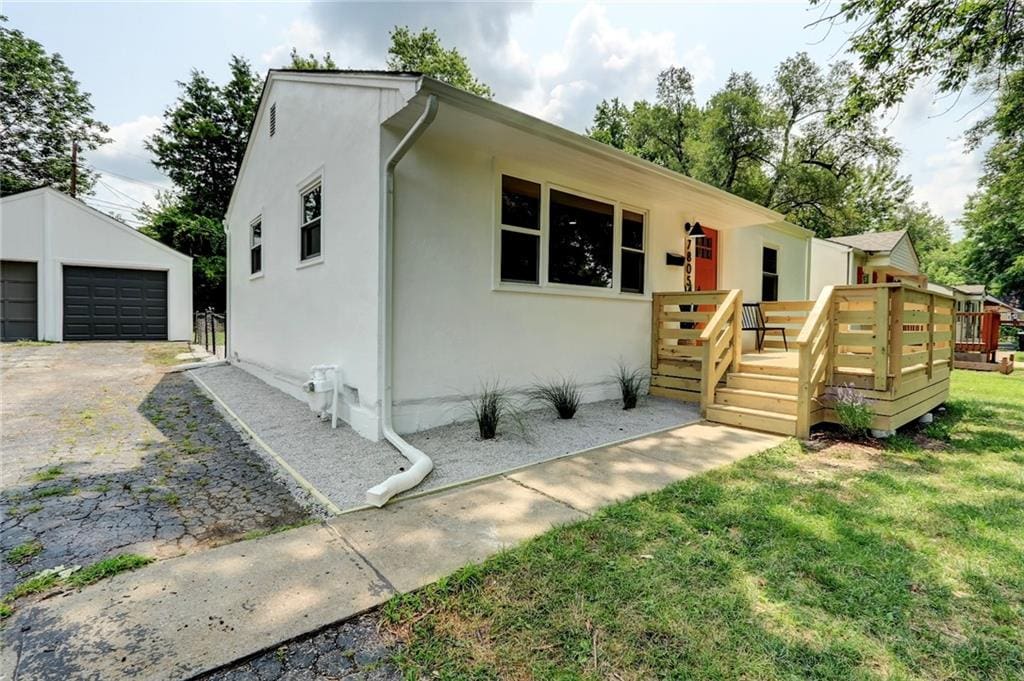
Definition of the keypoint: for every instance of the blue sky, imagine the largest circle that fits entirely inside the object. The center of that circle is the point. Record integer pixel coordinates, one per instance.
(552, 60)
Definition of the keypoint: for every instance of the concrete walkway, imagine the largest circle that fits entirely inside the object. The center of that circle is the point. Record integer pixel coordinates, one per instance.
(188, 615)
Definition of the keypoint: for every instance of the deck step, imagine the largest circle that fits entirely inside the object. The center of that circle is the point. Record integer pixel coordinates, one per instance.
(755, 419)
(774, 402)
(768, 369)
(781, 385)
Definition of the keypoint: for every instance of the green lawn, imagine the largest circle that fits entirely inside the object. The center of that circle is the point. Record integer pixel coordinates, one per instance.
(844, 563)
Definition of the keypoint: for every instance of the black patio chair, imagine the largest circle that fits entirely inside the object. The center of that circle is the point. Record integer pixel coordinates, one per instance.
(753, 320)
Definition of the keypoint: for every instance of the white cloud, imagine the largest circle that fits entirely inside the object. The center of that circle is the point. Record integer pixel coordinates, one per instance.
(949, 178)
(304, 36)
(127, 176)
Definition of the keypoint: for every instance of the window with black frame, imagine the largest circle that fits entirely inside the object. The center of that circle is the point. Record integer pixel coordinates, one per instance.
(309, 230)
(581, 240)
(769, 273)
(632, 278)
(256, 247)
(520, 230)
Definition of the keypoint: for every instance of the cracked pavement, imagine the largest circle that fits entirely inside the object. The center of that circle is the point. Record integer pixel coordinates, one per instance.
(106, 453)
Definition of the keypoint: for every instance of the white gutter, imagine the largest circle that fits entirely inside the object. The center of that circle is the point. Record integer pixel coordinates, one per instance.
(421, 463)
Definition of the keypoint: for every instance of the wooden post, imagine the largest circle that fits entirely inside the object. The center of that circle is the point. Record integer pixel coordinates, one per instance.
(880, 362)
(737, 333)
(896, 337)
(931, 336)
(656, 306)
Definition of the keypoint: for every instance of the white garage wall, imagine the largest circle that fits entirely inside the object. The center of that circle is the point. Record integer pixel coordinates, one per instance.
(54, 230)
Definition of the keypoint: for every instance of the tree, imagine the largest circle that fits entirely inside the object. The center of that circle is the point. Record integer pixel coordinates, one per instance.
(423, 53)
(899, 43)
(42, 112)
(994, 219)
(612, 121)
(200, 147)
(311, 63)
(737, 137)
(202, 140)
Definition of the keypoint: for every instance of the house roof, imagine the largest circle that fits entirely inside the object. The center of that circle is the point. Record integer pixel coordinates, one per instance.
(78, 203)
(971, 289)
(872, 242)
(504, 114)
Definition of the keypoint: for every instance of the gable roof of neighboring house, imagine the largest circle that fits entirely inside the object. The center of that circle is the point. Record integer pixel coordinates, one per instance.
(872, 242)
(425, 85)
(971, 289)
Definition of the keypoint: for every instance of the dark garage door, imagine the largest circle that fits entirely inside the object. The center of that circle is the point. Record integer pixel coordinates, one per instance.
(103, 303)
(18, 296)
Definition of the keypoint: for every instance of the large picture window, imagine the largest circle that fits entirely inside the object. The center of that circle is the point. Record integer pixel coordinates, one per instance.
(256, 246)
(309, 229)
(632, 278)
(520, 230)
(582, 240)
(769, 273)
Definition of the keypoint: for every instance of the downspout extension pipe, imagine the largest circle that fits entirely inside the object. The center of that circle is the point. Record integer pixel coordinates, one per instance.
(421, 463)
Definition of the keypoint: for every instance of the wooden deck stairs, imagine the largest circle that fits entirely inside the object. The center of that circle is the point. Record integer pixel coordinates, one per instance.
(758, 396)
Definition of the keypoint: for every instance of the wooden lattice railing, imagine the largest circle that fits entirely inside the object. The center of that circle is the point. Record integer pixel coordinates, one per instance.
(695, 339)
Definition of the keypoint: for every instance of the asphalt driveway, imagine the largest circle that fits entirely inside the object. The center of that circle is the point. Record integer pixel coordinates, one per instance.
(104, 452)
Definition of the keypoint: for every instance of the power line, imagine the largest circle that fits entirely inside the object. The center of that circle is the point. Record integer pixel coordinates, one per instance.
(124, 177)
(118, 191)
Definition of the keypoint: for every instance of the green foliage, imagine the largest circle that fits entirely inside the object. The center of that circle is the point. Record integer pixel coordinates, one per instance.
(853, 409)
(48, 474)
(108, 568)
(994, 219)
(955, 43)
(311, 62)
(631, 384)
(22, 553)
(42, 111)
(423, 53)
(778, 145)
(563, 395)
(492, 406)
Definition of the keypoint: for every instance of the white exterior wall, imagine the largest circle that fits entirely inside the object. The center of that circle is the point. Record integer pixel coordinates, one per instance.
(456, 327)
(831, 265)
(296, 314)
(53, 230)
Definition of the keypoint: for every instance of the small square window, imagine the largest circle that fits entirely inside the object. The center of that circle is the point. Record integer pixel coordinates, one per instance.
(256, 247)
(632, 272)
(520, 203)
(632, 230)
(309, 230)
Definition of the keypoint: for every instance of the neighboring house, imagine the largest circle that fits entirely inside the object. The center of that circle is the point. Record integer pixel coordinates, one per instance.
(507, 249)
(70, 272)
(869, 258)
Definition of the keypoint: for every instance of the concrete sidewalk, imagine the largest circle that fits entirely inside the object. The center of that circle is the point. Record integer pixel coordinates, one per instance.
(188, 615)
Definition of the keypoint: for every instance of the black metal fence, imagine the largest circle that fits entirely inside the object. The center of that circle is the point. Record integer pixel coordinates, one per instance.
(210, 330)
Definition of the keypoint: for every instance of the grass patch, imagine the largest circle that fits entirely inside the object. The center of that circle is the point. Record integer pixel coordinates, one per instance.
(53, 491)
(164, 354)
(22, 553)
(43, 583)
(50, 473)
(855, 563)
(31, 343)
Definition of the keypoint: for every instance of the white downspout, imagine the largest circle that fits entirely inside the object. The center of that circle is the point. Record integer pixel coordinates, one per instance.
(421, 463)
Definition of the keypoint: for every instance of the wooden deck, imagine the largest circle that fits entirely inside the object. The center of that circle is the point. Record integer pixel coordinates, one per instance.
(893, 342)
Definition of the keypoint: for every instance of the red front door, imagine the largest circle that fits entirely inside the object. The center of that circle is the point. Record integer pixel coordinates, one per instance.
(705, 261)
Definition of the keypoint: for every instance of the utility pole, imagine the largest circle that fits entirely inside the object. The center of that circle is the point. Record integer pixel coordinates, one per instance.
(74, 168)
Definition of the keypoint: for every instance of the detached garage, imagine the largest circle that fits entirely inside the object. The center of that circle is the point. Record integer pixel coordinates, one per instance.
(70, 272)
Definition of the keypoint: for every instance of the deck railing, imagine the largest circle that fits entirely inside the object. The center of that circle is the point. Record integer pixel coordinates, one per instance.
(977, 331)
(695, 338)
(788, 314)
(814, 345)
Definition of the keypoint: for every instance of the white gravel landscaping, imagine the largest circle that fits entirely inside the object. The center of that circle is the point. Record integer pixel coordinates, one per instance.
(343, 465)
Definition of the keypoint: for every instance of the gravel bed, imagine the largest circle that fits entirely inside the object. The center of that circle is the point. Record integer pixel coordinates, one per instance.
(343, 465)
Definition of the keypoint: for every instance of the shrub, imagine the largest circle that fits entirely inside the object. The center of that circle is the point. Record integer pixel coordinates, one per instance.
(853, 409)
(631, 384)
(490, 407)
(563, 395)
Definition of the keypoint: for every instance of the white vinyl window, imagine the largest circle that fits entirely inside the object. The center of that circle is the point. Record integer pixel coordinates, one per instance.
(561, 240)
(309, 222)
(256, 246)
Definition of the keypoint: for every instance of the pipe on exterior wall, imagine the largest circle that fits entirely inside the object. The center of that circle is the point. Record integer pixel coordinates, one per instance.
(421, 463)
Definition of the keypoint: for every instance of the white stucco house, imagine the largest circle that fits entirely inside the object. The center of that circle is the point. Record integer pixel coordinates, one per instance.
(426, 240)
(70, 272)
